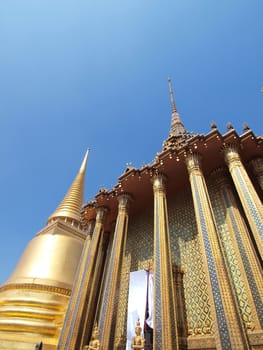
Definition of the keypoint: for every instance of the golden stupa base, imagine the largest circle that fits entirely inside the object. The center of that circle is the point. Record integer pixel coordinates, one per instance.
(28, 316)
(25, 342)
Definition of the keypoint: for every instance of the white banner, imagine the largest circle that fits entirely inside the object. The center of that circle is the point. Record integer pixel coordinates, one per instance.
(149, 320)
(136, 303)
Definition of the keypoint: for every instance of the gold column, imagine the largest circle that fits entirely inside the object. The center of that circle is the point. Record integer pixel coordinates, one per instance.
(89, 232)
(107, 319)
(257, 168)
(90, 227)
(243, 262)
(81, 301)
(90, 318)
(248, 196)
(105, 269)
(165, 322)
(229, 332)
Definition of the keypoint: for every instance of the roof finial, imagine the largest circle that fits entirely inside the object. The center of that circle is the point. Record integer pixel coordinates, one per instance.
(177, 127)
(173, 105)
(70, 206)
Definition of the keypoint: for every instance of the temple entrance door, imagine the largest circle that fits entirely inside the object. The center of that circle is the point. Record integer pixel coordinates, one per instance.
(138, 304)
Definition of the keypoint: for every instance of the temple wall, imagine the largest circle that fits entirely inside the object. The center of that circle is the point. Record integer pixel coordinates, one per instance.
(199, 325)
(240, 255)
(138, 256)
(230, 252)
(186, 255)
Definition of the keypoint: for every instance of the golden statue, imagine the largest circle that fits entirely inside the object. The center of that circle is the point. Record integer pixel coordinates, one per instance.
(138, 340)
(94, 344)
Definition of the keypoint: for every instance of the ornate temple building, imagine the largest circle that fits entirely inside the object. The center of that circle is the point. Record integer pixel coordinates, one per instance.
(168, 259)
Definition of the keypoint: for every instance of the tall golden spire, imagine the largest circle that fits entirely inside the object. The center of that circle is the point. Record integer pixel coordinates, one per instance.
(70, 206)
(177, 127)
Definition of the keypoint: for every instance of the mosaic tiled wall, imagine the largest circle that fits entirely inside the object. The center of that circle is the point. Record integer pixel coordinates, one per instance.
(238, 264)
(140, 240)
(139, 250)
(185, 254)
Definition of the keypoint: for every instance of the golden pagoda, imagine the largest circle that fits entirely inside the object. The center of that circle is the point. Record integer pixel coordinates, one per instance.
(176, 243)
(34, 299)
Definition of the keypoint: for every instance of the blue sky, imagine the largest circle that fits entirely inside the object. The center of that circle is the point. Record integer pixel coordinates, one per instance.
(78, 74)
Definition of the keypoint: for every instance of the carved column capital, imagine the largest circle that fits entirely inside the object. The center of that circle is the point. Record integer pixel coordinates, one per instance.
(231, 155)
(101, 214)
(124, 200)
(193, 163)
(159, 181)
(90, 227)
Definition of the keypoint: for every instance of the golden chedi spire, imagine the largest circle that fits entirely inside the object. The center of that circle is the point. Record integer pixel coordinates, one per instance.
(34, 299)
(70, 206)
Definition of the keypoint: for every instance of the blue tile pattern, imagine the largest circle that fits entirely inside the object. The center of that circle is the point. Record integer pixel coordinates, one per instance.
(187, 253)
(221, 320)
(157, 281)
(247, 267)
(251, 205)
